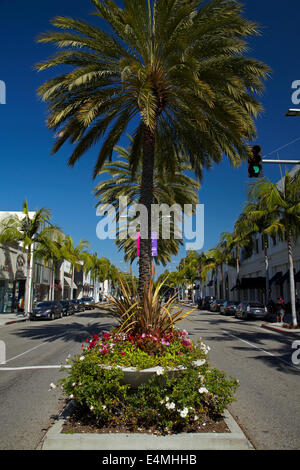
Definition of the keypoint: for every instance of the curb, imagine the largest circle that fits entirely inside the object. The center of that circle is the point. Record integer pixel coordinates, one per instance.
(235, 440)
(284, 331)
(10, 322)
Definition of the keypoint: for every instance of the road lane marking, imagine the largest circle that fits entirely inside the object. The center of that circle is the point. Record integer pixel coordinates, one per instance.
(35, 367)
(25, 352)
(260, 349)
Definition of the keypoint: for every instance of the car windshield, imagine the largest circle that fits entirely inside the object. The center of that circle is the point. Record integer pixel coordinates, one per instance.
(44, 304)
(255, 304)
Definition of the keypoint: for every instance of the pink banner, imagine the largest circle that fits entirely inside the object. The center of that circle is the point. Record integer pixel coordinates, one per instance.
(138, 238)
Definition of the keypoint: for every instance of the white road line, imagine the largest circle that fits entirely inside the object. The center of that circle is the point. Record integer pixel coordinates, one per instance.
(25, 352)
(35, 367)
(260, 349)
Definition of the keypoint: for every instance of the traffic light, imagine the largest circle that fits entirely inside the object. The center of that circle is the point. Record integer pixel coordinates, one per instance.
(255, 169)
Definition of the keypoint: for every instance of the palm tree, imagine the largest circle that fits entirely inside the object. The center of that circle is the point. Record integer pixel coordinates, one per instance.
(32, 232)
(50, 251)
(75, 254)
(170, 189)
(176, 70)
(259, 221)
(217, 257)
(280, 204)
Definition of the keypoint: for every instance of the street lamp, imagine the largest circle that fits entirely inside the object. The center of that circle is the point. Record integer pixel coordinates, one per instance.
(293, 112)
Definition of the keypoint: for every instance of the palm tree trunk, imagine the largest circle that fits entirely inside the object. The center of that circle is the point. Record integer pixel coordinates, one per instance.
(267, 270)
(292, 279)
(28, 283)
(146, 200)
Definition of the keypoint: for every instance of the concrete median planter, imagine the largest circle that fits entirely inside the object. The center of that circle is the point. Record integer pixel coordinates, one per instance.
(233, 440)
(136, 377)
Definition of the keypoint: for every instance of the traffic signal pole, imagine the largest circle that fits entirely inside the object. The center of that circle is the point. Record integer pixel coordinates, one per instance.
(283, 162)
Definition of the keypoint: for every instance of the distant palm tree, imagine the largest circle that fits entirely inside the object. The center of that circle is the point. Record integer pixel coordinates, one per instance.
(175, 188)
(280, 204)
(77, 255)
(177, 70)
(31, 232)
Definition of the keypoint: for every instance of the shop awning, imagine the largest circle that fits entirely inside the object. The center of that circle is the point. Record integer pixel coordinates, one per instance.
(70, 283)
(286, 278)
(250, 283)
(276, 278)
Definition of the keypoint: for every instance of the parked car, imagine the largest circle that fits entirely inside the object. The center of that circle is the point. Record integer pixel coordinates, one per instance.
(203, 304)
(228, 307)
(68, 307)
(215, 305)
(78, 306)
(247, 310)
(48, 310)
(88, 302)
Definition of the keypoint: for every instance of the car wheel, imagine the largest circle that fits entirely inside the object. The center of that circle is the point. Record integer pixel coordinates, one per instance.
(61, 315)
(52, 316)
(244, 316)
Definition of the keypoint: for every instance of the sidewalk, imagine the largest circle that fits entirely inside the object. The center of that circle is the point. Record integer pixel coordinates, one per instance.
(279, 329)
(10, 318)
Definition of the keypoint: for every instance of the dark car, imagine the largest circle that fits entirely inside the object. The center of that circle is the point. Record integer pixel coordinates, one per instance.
(88, 302)
(215, 305)
(78, 306)
(203, 304)
(68, 307)
(48, 310)
(247, 310)
(228, 307)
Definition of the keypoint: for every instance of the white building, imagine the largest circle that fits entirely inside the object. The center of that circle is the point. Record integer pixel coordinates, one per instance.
(251, 284)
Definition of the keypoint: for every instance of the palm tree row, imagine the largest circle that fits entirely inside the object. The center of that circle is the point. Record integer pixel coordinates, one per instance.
(44, 241)
(272, 210)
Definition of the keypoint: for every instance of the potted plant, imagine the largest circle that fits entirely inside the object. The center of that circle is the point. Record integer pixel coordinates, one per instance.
(146, 371)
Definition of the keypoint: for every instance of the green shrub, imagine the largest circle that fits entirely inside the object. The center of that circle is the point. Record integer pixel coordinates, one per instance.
(166, 402)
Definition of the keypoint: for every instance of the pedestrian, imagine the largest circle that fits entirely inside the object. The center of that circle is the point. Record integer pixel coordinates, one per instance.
(280, 309)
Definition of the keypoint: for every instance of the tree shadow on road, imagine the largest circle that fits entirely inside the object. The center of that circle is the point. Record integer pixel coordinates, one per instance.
(72, 331)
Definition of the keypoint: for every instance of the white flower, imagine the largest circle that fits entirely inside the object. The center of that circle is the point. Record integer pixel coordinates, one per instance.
(103, 407)
(196, 418)
(73, 384)
(203, 390)
(81, 358)
(167, 398)
(91, 408)
(170, 406)
(52, 386)
(184, 412)
(71, 396)
(159, 371)
(200, 362)
(202, 378)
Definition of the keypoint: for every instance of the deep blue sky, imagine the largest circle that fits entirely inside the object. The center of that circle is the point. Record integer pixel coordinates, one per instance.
(28, 171)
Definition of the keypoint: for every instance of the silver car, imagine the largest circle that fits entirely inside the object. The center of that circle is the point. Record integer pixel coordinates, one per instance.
(247, 310)
(88, 302)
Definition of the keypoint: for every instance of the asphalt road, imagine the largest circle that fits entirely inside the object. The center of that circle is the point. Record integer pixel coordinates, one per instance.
(268, 400)
(34, 353)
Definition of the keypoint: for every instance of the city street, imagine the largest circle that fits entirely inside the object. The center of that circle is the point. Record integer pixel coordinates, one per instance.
(267, 405)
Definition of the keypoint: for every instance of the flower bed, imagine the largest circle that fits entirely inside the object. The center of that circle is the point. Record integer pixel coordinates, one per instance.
(164, 404)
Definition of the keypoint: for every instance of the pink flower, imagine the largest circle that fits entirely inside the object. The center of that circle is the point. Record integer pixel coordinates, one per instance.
(122, 353)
